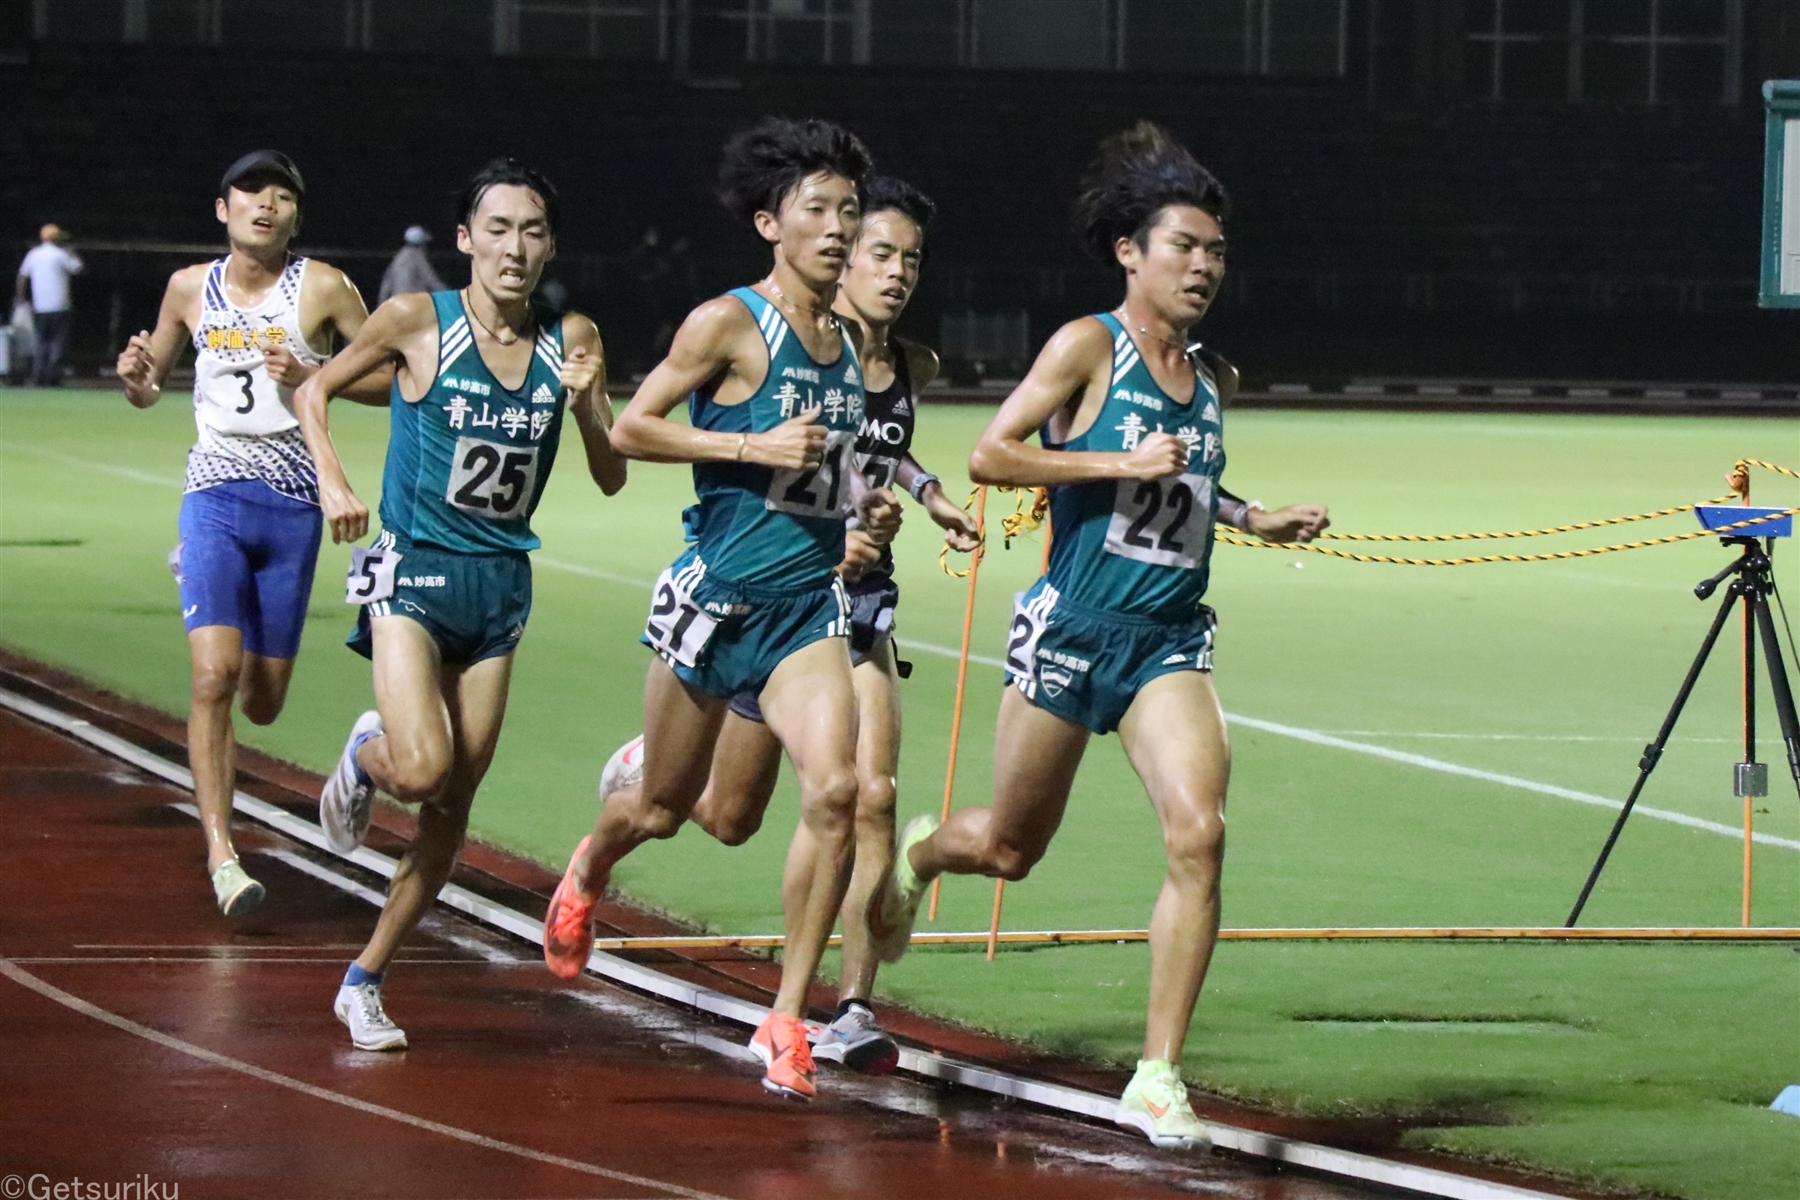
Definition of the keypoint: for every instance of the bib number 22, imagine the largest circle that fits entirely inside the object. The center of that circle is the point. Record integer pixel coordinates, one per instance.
(678, 627)
(1162, 521)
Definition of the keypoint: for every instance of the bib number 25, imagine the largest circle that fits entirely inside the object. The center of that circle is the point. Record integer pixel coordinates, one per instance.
(1162, 521)
(678, 627)
(492, 479)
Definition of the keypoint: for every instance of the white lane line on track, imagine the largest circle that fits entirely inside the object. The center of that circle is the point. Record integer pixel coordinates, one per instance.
(934, 1065)
(1335, 742)
(68, 1000)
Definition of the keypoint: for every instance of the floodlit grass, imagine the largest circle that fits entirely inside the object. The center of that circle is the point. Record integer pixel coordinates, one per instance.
(1647, 1065)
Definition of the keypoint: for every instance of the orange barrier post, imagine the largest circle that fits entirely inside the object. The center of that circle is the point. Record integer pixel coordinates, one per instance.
(1000, 884)
(1749, 727)
(962, 675)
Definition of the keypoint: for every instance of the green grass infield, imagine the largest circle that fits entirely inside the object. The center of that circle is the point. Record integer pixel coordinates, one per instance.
(1412, 746)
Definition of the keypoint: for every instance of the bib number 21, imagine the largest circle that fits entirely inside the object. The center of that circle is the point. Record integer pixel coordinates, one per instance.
(678, 627)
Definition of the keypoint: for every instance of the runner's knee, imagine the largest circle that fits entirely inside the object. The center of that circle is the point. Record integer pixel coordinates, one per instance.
(828, 803)
(215, 681)
(417, 772)
(262, 705)
(1009, 860)
(875, 799)
(1197, 839)
(732, 828)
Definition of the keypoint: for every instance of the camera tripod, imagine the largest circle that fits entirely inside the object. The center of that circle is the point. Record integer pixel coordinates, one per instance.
(1752, 581)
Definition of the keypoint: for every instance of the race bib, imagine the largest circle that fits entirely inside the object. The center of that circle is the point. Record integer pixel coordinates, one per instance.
(1162, 521)
(678, 626)
(878, 469)
(1028, 624)
(492, 479)
(816, 491)
(371, 575)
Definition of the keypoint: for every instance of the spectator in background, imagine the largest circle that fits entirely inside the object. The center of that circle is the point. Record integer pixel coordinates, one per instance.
(44, 280)
(411, 269)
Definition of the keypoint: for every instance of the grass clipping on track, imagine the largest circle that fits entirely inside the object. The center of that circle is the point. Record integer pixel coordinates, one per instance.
(1636, 1065)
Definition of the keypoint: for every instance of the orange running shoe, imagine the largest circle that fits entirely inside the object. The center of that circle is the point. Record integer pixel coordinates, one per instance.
(780, 1041)
(569, 925)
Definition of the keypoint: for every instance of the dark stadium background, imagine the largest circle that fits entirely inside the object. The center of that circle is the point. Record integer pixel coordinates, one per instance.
(1503, 189)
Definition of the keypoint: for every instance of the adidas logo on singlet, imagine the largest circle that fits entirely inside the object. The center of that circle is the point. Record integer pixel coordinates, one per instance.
(850, 375)
(543, 395)
(902, 407)
(1211, 413)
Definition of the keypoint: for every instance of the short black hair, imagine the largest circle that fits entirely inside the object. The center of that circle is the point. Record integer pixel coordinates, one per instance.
(766, 162)
(885, 193)
(502, 171)
(1137, 174)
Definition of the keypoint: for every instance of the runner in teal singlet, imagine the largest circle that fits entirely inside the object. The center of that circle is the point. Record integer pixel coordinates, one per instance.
(775, 395)
(1115, 635)
(481, 383)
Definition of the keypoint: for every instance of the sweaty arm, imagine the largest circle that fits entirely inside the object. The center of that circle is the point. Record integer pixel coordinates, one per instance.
(149, 355)
(584, 375)
(329, 300)
(1070, 375)
(718, 344)
(402, 333)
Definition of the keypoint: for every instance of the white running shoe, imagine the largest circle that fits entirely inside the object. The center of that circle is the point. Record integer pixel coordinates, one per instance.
(624, 769)
(1155, 1104)
(359, 1008)
(857, 1040)
(895, 909)
(236, 892)
(348, 797)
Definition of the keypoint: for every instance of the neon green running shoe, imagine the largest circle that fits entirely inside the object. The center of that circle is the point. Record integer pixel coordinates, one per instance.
(1155, 1104)
(236, 892)
(892, 915)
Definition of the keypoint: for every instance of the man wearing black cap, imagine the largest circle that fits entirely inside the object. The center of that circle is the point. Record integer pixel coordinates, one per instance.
(261, 320)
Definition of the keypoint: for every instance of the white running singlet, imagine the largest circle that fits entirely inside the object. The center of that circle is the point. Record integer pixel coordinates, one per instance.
(245, 419)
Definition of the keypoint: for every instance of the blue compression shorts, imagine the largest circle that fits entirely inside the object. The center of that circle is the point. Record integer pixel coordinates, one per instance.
(246, 560)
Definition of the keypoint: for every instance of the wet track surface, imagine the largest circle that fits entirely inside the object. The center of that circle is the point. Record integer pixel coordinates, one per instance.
(146, 1037)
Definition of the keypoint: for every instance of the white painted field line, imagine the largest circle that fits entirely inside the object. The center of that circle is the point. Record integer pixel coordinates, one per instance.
(1319, 738)
(1328, 1159)
(1314, 736)
(68, 460)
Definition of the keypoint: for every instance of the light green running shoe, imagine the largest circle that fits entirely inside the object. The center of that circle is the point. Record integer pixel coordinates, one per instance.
(892, 915)
(236, 891)
(1155, 1104)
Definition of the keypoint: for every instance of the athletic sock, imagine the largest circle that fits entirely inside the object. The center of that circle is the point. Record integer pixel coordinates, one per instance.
(362, 776)
(356, 976)
(844, 1007)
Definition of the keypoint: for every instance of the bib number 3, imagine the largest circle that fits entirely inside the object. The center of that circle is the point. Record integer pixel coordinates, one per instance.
(371, 575)
(1162, 521)
(492, 479)
(678, 627)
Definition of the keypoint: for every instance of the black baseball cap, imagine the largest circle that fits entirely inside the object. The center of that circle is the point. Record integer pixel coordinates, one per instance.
(264, 162)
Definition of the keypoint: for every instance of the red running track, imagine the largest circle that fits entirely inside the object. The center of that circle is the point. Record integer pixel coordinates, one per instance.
(143, 1038)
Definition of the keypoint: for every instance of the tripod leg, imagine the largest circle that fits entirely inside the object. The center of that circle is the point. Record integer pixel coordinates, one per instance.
(1653, 752)
(1778, 683)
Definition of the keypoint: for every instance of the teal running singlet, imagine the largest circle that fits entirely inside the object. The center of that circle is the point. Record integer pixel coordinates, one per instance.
(1140, 547)
(467, 463)
(762, 525)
